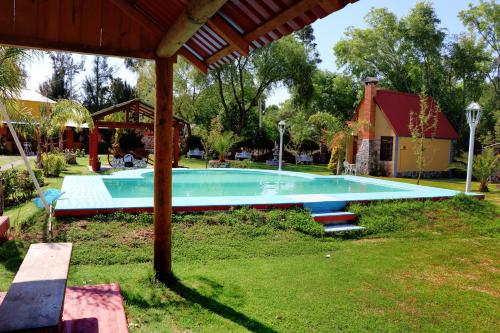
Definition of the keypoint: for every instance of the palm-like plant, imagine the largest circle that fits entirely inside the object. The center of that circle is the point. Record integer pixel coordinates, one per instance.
(66, 111)
(484, 166)
(11, 72)
(222, 142)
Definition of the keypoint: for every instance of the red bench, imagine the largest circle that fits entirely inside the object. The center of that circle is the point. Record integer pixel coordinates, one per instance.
(4, 226)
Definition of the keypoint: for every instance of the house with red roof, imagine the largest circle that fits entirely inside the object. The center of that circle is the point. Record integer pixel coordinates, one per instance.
(385, 145)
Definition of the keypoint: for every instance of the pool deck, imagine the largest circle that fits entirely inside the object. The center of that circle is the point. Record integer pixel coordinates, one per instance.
(87, 195)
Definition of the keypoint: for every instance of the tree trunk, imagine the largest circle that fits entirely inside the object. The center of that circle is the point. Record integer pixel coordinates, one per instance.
(61, 141)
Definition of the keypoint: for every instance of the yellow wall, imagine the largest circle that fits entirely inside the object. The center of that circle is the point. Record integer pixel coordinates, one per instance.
(33, 107)
(436, 155)
(382, 126)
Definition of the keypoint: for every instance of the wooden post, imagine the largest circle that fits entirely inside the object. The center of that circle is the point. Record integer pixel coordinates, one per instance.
(163, 169)
(93, 149)
(176, 146)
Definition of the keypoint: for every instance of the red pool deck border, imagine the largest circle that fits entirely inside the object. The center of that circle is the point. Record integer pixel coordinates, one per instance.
(193, 209)
(92, 309)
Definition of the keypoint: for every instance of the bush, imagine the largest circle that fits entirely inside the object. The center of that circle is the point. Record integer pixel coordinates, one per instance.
(18, 186)
(53, 164)
(245, 164)
(70, 156)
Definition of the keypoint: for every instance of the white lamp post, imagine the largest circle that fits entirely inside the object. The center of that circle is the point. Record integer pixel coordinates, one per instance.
(473, 113)
(281, 128)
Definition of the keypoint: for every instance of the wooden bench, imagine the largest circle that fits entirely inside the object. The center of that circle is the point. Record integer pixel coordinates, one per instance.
(4, 227)
(35, 300)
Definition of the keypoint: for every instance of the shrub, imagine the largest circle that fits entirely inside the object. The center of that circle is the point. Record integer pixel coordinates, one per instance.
(70, 156)
(18, 185)
(53, 164)
(245, 164)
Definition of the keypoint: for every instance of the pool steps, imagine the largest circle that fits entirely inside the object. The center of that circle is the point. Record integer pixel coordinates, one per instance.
(342, 227)
(333, 217)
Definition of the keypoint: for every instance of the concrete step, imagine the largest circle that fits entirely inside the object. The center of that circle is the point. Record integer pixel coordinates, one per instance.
(333, 217)
(342, 227)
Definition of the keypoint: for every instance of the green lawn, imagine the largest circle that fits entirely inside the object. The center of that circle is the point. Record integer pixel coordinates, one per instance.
(419, 266)
(7, 159)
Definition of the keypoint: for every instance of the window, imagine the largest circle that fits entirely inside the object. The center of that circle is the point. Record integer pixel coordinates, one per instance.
(386, 148)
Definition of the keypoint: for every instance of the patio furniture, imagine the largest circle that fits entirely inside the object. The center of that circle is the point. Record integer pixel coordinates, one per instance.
(195, 153)
(244, 155)
(35, 300)
(349, 169)
(304, 158)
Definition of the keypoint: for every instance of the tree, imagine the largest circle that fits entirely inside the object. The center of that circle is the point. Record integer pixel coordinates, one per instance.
(307, 38)
(484, 19)
(241, 83)
(120, 91)
(299, 130)
(422, 125)
(469, 64)
(65, 111)
(12, 78)
(335, 94)
(484, 165)
(96, 86)
(61, 84)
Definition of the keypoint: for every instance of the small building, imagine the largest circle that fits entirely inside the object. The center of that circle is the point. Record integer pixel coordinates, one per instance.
(386, 146)
(34, 102)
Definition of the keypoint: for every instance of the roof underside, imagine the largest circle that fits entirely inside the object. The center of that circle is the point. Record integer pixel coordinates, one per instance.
(134, 106)
(135, 28)
(398, 107)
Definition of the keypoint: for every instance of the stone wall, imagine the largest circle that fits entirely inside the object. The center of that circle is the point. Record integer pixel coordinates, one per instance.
(366, 158)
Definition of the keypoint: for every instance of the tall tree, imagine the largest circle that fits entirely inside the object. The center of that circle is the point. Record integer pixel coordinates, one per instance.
(96, 86)
(336, 94)
(484, 19)
(120, 91)
(469, 63)
(241, 83)
(307, 38)
(64, 70)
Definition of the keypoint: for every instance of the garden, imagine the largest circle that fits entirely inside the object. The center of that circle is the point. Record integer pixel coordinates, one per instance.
(409, 104)
(418, 266)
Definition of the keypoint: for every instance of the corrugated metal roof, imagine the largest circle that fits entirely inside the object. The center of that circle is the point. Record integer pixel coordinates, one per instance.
(135, 28)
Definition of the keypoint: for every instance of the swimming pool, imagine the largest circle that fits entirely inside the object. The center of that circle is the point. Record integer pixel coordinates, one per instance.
(205, 189)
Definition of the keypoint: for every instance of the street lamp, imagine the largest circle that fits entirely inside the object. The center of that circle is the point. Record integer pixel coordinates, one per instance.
(473, 113)
(281, 128)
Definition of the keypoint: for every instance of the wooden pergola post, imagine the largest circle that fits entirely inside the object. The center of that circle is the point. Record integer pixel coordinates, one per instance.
(94, 149)
(163, 169)
(176, 146)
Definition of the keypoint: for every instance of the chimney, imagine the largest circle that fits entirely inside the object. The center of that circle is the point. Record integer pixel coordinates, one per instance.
(368, 107)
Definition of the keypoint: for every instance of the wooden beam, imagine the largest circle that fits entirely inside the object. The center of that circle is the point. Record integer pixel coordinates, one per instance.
(196, 14)
(287, 15)
(41, 44)
(202, 67)
(118, 124)
(229, 34)
(145, 21)
(163, 169)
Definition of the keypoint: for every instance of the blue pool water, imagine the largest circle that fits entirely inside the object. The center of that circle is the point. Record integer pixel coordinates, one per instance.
(207, 183)
(231, 187)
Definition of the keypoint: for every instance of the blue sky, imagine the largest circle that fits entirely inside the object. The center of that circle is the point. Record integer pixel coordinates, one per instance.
(328, 31)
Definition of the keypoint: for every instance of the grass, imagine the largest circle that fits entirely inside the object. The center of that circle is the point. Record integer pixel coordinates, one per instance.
(7, 159)
(420, 266)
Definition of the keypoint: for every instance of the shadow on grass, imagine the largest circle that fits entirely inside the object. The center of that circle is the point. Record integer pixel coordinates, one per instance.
(192, 296)
(10, 255)
(218, 308)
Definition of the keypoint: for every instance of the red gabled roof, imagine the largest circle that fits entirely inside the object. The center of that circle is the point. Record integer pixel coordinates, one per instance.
(397, 107)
